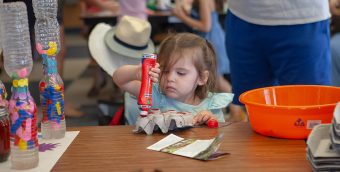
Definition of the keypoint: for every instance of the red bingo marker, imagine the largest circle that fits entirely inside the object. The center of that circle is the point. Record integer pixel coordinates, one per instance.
(145, 94)
(212, 123)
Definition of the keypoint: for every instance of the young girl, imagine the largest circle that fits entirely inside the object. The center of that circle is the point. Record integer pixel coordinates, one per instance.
(203, 18)
(186, 72)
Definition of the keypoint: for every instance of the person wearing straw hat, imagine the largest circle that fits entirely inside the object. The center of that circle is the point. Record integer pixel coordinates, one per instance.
(112, 47)
(123, 44)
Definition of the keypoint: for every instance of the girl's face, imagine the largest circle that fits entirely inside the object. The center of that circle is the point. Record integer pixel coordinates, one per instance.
(181, 81)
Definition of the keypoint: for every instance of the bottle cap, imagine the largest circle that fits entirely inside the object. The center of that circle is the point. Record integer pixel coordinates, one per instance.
(143, 113)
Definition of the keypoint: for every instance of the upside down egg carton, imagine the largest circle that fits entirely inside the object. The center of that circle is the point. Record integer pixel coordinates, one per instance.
(164, 121)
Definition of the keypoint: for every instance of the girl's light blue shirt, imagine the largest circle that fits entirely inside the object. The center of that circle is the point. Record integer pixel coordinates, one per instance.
(215, 102)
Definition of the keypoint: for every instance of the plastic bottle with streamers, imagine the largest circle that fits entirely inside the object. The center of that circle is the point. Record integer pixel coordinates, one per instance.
(51, 87)
(18, 65)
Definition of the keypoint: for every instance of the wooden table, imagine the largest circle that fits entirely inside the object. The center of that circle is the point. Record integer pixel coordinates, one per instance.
(116, 148)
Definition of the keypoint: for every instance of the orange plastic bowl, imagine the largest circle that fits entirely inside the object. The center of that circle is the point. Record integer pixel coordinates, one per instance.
(290, 111)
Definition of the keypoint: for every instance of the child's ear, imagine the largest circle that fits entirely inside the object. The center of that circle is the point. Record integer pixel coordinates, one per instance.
(203, 78)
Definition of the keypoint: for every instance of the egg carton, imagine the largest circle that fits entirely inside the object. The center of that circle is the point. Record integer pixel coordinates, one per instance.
(336, 118)
(164, 121)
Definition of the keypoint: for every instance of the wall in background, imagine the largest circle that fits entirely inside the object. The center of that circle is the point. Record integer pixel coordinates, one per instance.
(72, 14)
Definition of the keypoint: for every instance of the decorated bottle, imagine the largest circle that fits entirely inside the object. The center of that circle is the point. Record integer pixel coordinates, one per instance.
(145, 93)
(18, 65)
(51, 87)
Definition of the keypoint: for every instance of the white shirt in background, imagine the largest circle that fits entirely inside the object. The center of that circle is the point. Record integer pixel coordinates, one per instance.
(280, 12)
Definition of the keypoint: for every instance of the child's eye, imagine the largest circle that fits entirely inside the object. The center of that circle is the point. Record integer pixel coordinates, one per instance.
(181, 73)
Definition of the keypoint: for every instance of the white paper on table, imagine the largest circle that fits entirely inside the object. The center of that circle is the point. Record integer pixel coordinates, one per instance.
(195, 148)
(49, 157)
(192, 148)
(165, 142)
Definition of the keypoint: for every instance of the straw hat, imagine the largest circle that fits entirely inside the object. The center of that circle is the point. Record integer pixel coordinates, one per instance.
(123, 44)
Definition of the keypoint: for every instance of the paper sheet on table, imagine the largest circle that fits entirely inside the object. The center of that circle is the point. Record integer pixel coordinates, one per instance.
(192, 148)
(49, 153)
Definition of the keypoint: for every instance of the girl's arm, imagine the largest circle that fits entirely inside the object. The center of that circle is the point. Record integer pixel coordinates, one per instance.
(128, 77)
(204, 24)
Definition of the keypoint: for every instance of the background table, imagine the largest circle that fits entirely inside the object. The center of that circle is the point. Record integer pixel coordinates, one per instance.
(110, 18)
(161, 22)
(116, 148)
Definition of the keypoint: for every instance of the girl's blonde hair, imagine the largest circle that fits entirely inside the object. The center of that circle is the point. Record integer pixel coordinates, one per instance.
(204, 57)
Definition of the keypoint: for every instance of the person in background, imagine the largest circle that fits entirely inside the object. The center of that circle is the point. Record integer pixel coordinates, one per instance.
(277, 43)
(134, 8)
(203, 18)
(122, 44)
(122, 7)
(334, 6)
(335, 42)
(187, 78)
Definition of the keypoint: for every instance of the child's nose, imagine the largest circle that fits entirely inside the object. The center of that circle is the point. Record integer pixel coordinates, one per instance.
(171, 77)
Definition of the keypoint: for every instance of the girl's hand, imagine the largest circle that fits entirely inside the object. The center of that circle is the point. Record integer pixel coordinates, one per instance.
(202, 117)
(154, 73)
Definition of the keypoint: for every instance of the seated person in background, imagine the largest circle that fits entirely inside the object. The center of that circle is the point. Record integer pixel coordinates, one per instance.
(134, 8)
(187, 78)
(122, 7)
(134, 40)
